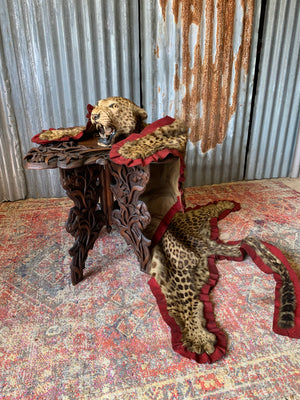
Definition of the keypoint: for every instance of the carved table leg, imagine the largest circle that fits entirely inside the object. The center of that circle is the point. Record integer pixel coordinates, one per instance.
(86, 219)
(132, 215)
(106, 196)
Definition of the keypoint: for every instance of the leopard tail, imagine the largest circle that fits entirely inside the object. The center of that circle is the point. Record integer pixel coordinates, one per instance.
(287, 308)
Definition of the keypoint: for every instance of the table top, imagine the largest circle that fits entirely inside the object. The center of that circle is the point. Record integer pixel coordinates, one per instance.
(66, 155)
(72, 154)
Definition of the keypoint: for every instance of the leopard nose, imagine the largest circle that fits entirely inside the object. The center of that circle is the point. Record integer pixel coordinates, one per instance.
(96, 116)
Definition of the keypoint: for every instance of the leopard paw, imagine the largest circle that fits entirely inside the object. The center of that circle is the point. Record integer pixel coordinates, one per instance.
(199, 341)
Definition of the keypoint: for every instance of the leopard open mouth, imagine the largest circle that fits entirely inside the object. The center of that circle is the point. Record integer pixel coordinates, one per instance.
(106, 135)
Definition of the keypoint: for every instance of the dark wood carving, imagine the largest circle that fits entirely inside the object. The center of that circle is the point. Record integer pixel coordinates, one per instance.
(86, 171)
(86, 219)
(106, 196)
(64, 155)
(128, 183)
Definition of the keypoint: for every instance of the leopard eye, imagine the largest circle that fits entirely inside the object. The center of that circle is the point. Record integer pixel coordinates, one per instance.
(114, 105)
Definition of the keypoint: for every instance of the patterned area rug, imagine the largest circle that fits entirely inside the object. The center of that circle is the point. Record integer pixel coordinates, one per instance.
(105, 338)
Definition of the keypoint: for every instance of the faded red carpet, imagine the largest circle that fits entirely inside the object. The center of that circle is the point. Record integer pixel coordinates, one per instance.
(105, 338)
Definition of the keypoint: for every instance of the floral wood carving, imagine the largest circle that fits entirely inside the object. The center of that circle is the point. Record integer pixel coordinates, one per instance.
(64, 155)
(132, 216)
(86, 219)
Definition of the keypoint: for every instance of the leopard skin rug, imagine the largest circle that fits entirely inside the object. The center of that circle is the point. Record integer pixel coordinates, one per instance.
(186, 247)
(186, 244)
(184, 272)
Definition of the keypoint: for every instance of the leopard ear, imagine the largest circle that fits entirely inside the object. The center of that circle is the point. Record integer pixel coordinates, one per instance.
(141, 112)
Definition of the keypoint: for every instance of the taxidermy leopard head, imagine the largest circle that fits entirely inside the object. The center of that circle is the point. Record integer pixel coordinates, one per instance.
(115, 118)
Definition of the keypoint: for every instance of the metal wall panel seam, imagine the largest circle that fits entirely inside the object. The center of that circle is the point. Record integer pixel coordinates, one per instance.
(12, 178)
(242, 116)
(295, 170)
(276, 111)
(281, 96)
(262, 110)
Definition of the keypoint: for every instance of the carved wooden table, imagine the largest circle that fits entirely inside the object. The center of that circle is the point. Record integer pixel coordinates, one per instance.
(88, 175)
(85, 177)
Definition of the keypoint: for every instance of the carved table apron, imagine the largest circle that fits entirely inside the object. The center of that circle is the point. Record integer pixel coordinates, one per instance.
(87, 175)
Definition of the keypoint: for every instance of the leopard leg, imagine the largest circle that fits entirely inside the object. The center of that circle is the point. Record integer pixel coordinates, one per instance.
(225, 250)
(195, 336)
(181, 279)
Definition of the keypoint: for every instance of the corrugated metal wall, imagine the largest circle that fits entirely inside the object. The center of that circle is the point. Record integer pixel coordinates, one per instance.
(12, 177)
(57, 57)
(193, 59)
(198, 65)
(276, 116)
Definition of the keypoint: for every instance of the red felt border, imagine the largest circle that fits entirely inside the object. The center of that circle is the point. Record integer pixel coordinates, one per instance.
(116, 157)
(220, 348)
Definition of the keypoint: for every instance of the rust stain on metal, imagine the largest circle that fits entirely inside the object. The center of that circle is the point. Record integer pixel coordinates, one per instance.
(175, 10)
(248, 22)
(212, 81)
(163, 4)
(176, 79)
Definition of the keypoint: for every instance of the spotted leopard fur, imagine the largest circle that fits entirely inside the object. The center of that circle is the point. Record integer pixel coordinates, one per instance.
(56, 134)
(180, 267)
(173, 136)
